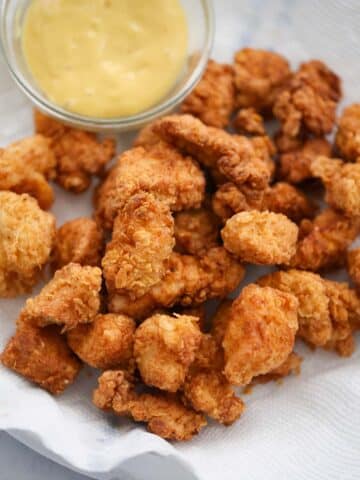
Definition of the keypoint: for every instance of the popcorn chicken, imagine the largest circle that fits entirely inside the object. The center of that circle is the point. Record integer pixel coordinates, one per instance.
(196, 231)
(249, 121)
(79, 154)
(212, 100)
(309, 100)
(25, 167)
(342, 183)
(159, 169)
(142, 242)
(295, 165)
(230, 199)
(26, 237)
(164, 414)
(164, 349)
(78, 241)
(263, 238)
(323, 242)
(353, 266)
(105, 343)
(189, 281)
(146, 137)
(260, 334)
(347, 140)
(71, 298)
(42, 356)
(259, 76)
(291, 366)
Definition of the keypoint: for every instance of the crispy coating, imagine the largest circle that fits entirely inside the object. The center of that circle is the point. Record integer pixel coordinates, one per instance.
(146, 137)
(263, 238)
(353, 266)
(165, 348)
(42, 356)
(78, 241)
(291, 366)
(295, 165)
(196, 231)
(260, 333)
(230, 199)
(234, 156)
(160, 169)
(249, 122)
(190, 280)
(71, 298)
(342, 183)
(259, 76)
(309, 100)
(347, 140)
(105, 343)
(26, 238)
(220, 320)
(25, 167)
(79, 154)
(142, 242)
(213, 99)
(164, 414)
(323, 242)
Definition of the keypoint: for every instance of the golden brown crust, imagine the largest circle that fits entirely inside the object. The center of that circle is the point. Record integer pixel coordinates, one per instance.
(263, 238)
(353, 266)
(347, 140)
(212, 100)
(249, 122)
(291, 366)
(146, 137)
(42, 356)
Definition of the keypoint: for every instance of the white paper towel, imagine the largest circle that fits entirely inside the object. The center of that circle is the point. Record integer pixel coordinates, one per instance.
(308, 428)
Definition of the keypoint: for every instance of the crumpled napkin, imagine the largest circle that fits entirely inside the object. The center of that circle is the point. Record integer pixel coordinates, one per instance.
(308, 428)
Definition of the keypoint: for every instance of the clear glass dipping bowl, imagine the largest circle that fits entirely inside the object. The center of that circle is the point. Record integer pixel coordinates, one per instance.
(200, 18)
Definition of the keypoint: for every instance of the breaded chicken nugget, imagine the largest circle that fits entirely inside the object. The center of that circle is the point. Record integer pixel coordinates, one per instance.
(42, 356)
(79, 154)
(159, 169)
(347, 140)
(353, 266)
(263, 238)
(230, 199)
(164, 414)
(295, 165)
(309, 100)
(26, 238)
(249, 122)
(146, 137)
(105, 343)
(78, 241)
(212, 100)
(323, 242)
(189, 281)
(72, 297)
(260, 334)
(259, 76)
(165, 348)
(142, 242)
(25, 167)
(291, 366)
(196, 231)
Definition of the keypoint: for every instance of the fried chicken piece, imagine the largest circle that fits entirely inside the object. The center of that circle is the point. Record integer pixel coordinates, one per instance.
(42, 356)
(309, 100)
(249, 122)
(220, 320)
(26, 237)
(159, 169)
(342, 184)
(78, 241)
(142, 242)
(212, 100)
(347, 140)
(234, 156)
(79, 154)
(284, 143)
(71, 298)
(146, 137)
(164, 414)
(196, 231)
(105, 343)
(230, 199)
(323, 242)
(353, 266)
(295, 165)
(260, 334)
(259, 77)
(165, 348)
(291, 366)
(25, 167)
(263, 238)
(198, 311)
(190, 280)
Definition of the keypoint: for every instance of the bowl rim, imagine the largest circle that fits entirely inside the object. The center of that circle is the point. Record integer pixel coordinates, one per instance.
(118, 123)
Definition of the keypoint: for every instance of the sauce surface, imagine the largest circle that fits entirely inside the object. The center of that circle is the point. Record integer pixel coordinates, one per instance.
(105, 58)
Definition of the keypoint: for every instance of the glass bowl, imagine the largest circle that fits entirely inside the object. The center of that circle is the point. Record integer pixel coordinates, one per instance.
(200, 17)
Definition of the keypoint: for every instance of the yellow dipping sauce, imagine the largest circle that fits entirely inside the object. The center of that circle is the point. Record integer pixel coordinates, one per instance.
(105, 58)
